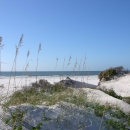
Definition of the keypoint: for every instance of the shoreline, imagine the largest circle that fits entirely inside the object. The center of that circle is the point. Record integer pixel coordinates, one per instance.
(91, 95)
(121, 86)
(49, 73)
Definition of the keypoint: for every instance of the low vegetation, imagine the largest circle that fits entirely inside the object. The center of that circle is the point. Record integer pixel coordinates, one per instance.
(115, 125)
(112, 93)
(16, 119)
(109, 74)
(38, 94)
(126, 99)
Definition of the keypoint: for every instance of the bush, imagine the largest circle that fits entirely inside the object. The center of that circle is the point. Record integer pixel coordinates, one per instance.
(107, 74)
(119, 69)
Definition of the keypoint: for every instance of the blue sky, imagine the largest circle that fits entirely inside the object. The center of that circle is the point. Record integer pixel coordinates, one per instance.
(99, 29)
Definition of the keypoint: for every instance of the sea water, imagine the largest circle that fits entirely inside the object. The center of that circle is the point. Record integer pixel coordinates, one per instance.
(49, 73)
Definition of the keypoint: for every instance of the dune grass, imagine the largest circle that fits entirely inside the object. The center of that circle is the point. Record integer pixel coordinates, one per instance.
(39, 95)
(112, 93)
(48, 94)
(59, 93)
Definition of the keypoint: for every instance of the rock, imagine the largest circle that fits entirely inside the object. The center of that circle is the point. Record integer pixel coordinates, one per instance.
(68, 78)
(68, 82)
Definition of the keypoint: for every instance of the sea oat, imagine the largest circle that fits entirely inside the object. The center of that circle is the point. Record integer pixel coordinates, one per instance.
(68, 62)
(14, 62)
(39, 49)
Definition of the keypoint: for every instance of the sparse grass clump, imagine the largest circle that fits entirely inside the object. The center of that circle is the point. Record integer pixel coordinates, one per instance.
(118, 114)
(16, 119)
(79, 100)
(99, 109)
(58, 87)
(112, 93)
(37, 127)
(45, 92)
(127, 99)
(27, 96)
(115, 125)
(37, 94)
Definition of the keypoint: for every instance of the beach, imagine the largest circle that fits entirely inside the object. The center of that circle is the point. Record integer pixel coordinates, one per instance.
(120, 85)
(89, 85)
(12, 84)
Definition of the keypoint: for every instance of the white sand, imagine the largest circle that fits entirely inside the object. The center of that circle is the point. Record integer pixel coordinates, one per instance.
(20, 82)
(121, 85)
(102, 98)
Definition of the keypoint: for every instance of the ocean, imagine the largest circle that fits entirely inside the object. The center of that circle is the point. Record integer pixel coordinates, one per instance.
(49, 73)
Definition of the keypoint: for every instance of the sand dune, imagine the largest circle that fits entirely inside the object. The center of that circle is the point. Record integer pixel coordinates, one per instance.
(92, 122)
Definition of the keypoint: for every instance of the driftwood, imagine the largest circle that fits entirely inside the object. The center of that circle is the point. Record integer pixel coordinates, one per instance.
(68, 82)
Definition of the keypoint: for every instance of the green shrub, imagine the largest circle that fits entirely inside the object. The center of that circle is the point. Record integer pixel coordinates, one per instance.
(107, 74)
(99, 109)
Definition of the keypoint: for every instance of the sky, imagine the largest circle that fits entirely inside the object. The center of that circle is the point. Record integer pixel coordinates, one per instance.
(98, 30)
